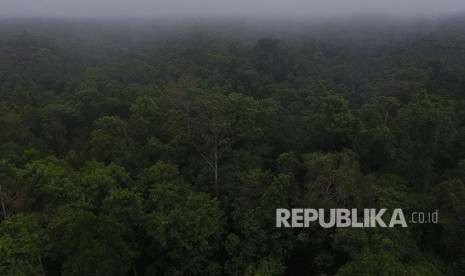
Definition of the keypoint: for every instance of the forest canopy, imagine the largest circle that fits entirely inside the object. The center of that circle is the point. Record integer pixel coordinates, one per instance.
(149, 148)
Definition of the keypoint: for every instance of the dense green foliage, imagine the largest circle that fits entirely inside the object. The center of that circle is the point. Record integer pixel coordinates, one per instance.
(137, 152)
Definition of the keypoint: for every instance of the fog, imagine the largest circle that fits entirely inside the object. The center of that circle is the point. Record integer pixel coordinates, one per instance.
(294, 9)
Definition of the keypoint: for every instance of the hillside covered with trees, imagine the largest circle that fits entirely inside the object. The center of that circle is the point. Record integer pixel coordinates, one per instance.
(149, 149)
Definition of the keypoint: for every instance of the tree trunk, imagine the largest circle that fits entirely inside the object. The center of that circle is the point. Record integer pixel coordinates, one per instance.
(216, 169)
(41, 265)
(2, 203)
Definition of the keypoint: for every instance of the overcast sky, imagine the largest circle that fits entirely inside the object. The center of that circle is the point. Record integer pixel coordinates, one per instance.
(219, 8)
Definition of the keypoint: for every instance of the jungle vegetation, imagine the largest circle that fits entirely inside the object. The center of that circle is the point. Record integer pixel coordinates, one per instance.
(148, 149)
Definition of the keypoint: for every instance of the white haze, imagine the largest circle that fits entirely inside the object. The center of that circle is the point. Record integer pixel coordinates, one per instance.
(254, 9)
